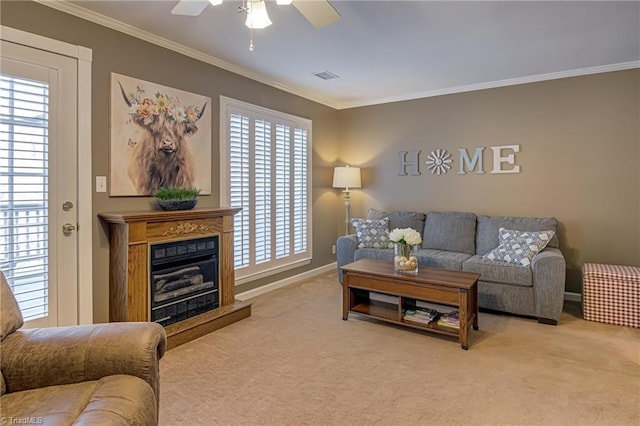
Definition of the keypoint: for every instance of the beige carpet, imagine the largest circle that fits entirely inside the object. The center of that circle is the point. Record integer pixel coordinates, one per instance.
(295, 362)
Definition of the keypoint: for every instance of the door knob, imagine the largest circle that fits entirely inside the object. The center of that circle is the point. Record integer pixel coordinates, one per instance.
(68, 228)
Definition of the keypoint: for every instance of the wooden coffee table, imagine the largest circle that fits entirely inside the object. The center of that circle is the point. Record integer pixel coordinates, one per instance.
(441, 286)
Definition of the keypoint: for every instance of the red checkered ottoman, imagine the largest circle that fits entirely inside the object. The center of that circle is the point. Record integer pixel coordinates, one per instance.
(611, 294)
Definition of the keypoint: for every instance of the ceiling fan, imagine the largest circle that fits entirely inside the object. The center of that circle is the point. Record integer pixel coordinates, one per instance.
(319, 12)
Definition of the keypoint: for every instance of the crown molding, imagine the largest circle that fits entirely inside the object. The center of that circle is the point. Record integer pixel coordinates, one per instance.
(114, 24)
(89, 15)
(495, 84)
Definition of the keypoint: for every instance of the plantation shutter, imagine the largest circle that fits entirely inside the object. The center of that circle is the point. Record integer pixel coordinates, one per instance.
(263, 191)
(265, 161)
(24, 125)
(239, 185)
(283, 196)
(300, 193)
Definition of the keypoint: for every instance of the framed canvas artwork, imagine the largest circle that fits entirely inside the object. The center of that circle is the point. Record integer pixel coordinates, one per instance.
(160, 137)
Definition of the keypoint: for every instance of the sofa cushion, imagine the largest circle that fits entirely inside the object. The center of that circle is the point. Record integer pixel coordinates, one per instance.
(113, 400)
(441, 259)
(400, 219)
(385, 255)
(488, 226)
(450, 231)
(519, 247)
(426, 257)
(499, 272)
(373, 233)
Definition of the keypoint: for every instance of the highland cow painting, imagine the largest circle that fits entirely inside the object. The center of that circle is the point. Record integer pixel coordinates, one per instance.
(159, 137)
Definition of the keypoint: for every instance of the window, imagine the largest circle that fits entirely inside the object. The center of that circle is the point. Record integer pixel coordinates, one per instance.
(23, 192)
(265, 168)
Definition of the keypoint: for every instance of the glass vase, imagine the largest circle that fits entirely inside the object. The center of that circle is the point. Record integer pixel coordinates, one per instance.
(403, 261)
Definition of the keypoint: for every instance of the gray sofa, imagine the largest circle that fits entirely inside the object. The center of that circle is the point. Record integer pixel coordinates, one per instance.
(458, 241)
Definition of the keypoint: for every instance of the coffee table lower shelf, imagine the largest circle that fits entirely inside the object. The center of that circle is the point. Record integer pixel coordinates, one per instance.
(390, 314)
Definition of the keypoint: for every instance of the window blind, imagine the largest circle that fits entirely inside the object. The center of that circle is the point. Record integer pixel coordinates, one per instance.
(239, 185)
(283, 188)
(262, 167)
(265, 166)
(24, 192)
(300, 193)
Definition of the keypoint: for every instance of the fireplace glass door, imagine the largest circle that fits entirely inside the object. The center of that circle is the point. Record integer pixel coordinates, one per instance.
(184, 279)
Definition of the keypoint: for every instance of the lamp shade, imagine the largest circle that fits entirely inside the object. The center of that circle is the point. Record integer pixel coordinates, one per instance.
(346, 177)
(257, 16)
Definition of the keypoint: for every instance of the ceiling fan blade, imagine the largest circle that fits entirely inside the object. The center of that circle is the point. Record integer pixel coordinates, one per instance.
(319, 12)
(190, 7)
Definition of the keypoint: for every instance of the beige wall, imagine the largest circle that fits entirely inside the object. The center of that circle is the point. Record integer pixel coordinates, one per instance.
(579, 140)
(579, 159)
(116, 52)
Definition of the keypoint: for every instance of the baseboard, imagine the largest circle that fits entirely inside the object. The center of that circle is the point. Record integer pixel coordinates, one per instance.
(572, 297)
(285, 282)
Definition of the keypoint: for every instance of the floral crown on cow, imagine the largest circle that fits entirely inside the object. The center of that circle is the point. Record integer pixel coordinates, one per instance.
(148, 109)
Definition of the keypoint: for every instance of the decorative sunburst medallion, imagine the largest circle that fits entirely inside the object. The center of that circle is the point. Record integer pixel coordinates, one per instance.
(439, 161)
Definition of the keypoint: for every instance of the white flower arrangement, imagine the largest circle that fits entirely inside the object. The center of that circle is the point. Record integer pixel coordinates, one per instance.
(405, 239)
(405, 236)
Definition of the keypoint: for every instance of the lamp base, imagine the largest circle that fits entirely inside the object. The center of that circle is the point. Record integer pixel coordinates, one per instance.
(347, 205)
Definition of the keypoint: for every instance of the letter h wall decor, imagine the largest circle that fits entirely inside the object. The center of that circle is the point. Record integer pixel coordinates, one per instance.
(160, 137)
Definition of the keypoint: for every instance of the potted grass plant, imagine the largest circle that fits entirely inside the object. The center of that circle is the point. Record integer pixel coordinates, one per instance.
(176, 198)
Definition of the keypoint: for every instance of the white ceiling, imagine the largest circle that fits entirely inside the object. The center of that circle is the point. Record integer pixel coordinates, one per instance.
(394, 50)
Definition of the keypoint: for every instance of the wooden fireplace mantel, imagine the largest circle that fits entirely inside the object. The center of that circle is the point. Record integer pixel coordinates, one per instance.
(130, 234)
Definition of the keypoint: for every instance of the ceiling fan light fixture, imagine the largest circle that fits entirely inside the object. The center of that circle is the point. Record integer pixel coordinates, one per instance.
(257, 17)
(215, 2)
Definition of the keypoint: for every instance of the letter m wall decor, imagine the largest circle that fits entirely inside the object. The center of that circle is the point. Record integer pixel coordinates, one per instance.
(160, 137)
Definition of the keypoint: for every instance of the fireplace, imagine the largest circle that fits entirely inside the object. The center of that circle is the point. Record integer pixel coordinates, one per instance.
(183, 279)
(174, 268)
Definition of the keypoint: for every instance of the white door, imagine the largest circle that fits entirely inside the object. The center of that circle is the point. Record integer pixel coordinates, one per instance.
(38, 182)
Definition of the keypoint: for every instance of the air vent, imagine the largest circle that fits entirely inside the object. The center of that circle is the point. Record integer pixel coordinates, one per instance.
(326, 75)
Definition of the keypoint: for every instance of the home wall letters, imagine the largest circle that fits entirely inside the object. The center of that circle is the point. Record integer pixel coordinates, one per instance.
(439, 161)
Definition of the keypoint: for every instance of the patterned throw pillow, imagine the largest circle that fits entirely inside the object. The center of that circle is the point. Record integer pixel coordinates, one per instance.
(372, 233)
(519, 247)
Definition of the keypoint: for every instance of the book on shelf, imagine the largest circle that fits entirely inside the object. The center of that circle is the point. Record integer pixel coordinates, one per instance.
(448, 326)
(418, 320)
(450, 320)
(420, 315)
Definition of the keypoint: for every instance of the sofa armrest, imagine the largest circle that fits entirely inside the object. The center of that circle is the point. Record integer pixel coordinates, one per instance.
(346, 248)
(42, 357)
(549, 273)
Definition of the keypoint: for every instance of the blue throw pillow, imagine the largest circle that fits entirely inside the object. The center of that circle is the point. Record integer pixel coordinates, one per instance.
(519, 247)
(372, 233)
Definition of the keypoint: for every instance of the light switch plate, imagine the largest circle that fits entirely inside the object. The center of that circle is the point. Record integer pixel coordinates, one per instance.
(101, 184)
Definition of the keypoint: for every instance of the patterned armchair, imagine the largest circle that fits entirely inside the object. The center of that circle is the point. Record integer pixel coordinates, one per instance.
(86, 374)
